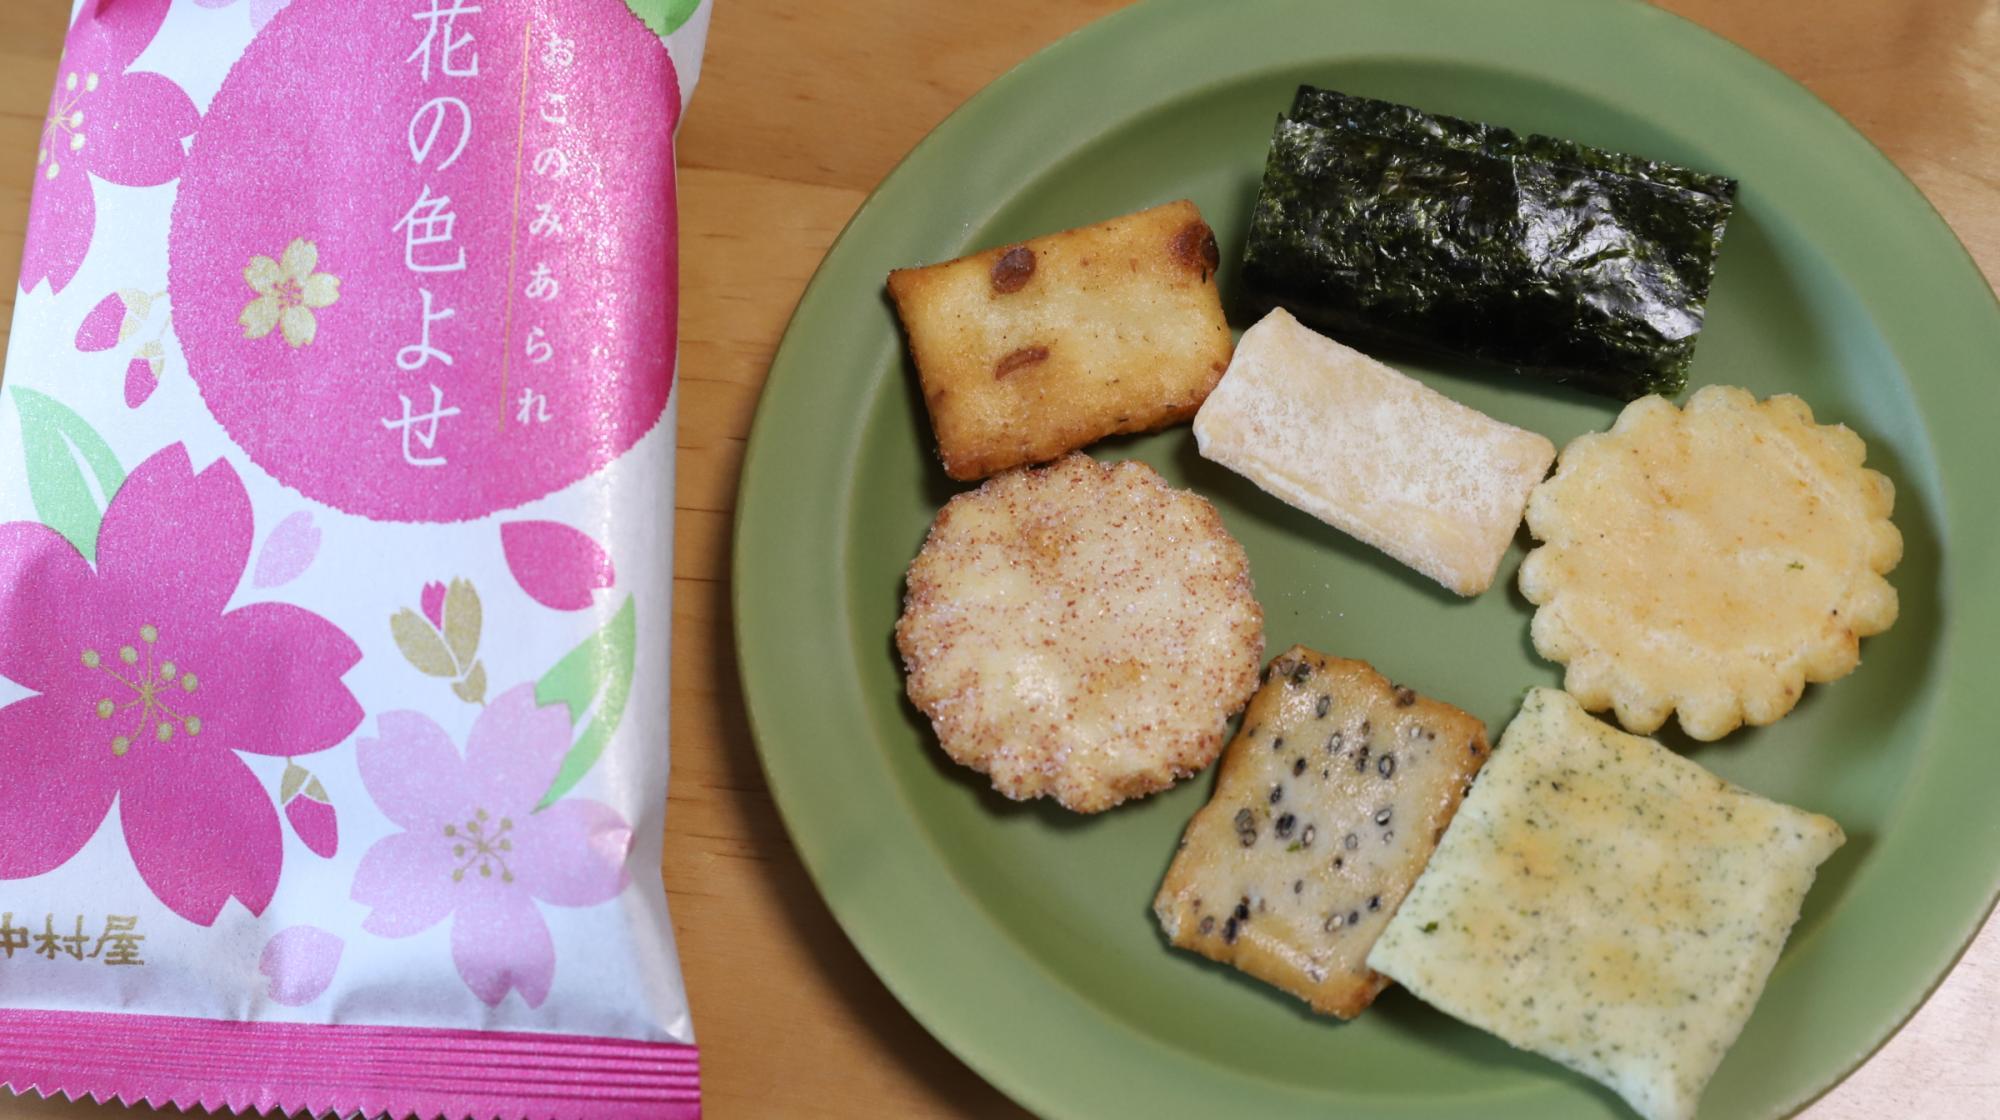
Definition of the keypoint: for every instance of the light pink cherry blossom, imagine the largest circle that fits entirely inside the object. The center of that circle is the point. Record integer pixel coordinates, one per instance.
(475, 849)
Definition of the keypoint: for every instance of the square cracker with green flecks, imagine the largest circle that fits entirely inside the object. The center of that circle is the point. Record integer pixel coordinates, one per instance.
(1604, 902)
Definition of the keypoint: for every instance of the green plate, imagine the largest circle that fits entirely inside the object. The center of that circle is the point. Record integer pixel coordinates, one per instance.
(1020, 934)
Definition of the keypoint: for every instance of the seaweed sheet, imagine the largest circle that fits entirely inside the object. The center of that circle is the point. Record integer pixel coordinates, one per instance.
(1380, 223)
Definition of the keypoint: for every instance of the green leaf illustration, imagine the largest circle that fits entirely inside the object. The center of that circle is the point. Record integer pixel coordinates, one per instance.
(53, 438)
(600, 669)
(421, 645)
(663, 16)
(462, 619)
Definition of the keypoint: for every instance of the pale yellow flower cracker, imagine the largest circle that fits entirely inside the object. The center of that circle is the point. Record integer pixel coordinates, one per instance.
(1709, 561)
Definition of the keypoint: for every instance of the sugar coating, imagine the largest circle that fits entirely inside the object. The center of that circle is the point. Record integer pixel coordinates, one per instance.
(1376, 454)
(1606, 903)
(1710, 561)
(1081, 631)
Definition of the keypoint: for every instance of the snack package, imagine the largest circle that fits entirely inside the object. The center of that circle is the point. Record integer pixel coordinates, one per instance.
(336, 479)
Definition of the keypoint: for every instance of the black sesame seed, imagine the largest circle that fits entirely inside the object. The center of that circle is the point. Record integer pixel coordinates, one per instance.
(1325, 704)
(1208, 925)
(1277, 794)
(1285, 823)
(1354, 917)
(1386, 765)
(1473, 746)
(1277, 742)
(1306, 837)
(1405, 696)
(1375, 902)
(1351, 842)
(1382, 817)
(1367, 728)
(1243, 909)
(1361, 759)
(1339, 862)
(1246, 827)
(1298, 767)
(1301, 672)
(1298, 886)
(1229, 931)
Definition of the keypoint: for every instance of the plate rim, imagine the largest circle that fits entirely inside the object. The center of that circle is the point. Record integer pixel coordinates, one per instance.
(761, 626)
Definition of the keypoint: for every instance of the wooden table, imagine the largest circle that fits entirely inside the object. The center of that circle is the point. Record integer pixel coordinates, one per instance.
(804, 105)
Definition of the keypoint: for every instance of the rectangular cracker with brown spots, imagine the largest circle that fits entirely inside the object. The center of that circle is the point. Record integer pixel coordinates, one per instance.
(1329, 804)
(1031, 350)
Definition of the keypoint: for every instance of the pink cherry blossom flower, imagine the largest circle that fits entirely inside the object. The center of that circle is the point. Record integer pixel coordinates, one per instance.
(475, 849)
(147, 686)
(105, 121)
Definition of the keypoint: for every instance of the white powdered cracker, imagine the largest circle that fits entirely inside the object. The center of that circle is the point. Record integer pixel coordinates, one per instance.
(1606, 903)
(1081, 631)
(1376, 454)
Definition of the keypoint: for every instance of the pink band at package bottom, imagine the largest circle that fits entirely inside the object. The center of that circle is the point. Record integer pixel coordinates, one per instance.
(400, 1071)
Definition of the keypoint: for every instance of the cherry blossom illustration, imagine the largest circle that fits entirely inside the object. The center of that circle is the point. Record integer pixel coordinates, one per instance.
(286, 292)
(443, 641)
(113, 321)
(300, 962)
(105, 122)
(559, 567)
(309, 810)
(147, 686)
(474, 847)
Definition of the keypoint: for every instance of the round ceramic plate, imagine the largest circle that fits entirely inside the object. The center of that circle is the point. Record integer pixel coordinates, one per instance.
(1020, 934)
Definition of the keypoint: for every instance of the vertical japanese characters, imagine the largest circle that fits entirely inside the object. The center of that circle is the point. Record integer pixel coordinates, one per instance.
(547, 171)
(440, 128)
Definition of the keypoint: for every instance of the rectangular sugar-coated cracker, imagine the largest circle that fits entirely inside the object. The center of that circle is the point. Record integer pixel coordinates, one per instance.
(1372, 452)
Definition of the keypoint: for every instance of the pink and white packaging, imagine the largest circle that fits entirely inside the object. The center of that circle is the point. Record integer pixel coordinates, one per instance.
(336, 499)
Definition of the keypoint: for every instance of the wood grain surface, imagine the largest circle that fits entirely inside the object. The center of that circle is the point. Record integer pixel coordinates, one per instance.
(804, 105)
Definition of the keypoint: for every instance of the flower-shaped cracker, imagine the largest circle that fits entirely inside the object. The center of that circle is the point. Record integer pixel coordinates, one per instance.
(1709, 561)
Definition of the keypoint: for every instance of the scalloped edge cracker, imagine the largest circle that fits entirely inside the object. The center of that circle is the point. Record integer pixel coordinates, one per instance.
(1709, 561)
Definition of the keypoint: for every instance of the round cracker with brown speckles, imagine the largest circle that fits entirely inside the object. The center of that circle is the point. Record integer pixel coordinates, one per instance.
(1081, 631)
(1709, 561)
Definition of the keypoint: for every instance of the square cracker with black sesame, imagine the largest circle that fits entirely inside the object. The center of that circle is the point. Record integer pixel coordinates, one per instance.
(1034, 349)
(1329, 804)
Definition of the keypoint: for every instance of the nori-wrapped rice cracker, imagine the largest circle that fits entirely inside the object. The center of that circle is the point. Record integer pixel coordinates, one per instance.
(1381, 223)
